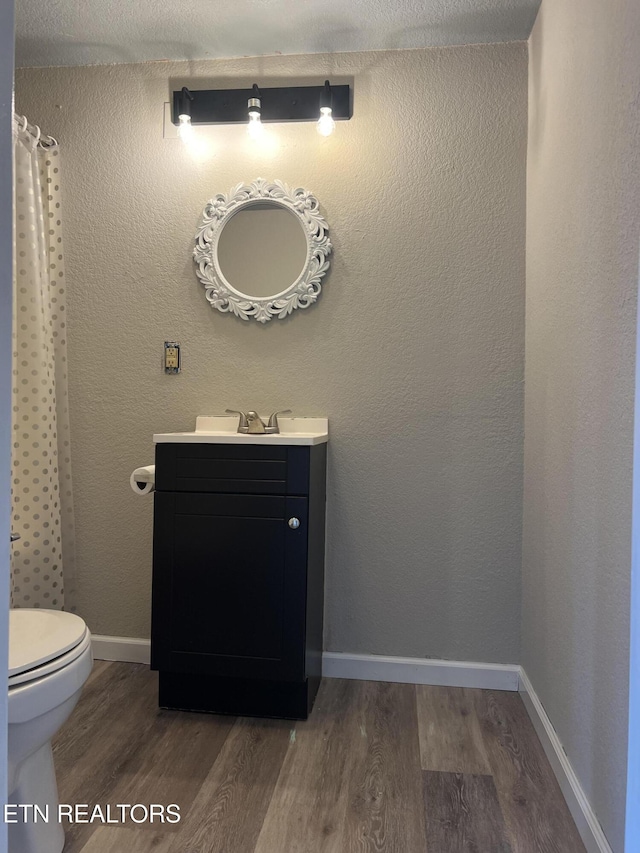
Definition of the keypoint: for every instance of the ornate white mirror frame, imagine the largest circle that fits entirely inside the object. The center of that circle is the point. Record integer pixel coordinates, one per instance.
(305, 289)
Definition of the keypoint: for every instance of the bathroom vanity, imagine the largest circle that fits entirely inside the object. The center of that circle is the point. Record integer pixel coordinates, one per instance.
(238, 567)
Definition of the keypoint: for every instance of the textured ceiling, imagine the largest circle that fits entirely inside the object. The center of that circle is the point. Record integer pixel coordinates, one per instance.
(88, 32)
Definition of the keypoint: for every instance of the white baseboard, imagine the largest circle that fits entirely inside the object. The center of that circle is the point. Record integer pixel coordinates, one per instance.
(491, 676)
(588, 826)
(125, 649)
(442, 673)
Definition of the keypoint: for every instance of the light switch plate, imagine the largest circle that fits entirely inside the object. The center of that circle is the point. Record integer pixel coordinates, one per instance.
(172, 357)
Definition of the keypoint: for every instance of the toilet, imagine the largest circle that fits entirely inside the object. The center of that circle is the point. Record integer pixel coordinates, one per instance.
(49, 661)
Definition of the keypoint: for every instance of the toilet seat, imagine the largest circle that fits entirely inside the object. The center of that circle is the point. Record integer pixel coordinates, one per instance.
(53, 665)
(43, 641)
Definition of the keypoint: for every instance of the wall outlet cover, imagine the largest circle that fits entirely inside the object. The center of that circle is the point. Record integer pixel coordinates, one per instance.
(172, 357)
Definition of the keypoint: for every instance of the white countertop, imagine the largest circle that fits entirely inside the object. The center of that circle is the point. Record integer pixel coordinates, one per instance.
(223, 430)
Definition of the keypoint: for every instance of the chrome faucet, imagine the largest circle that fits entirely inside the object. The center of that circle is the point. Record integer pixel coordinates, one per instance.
(251, 423)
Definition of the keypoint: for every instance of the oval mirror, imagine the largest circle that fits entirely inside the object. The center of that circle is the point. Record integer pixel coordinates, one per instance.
(262, 250)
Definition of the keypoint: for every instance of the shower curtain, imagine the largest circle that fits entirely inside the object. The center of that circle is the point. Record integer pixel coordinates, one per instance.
(42, 509)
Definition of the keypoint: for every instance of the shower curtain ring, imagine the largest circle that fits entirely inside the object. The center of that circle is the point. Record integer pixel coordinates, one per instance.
(25, 124)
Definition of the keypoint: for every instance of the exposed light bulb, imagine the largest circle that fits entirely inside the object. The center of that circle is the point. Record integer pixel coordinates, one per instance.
(185, 128)
(255, 128)
(326, 124)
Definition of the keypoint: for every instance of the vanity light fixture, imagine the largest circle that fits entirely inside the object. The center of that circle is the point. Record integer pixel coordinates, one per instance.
(326, 125)
(185, 128)
(254, 105)
(263, 106)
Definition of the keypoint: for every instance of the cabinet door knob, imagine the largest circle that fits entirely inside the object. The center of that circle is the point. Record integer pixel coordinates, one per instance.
(294, 523)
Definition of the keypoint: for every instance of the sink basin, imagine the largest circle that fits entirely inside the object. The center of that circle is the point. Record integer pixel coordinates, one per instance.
(223, 430)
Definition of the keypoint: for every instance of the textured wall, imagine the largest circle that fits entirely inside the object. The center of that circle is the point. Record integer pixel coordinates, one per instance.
(414, 351)
(583, 221)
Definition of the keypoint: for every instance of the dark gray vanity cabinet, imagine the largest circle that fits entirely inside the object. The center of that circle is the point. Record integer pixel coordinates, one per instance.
(238, 577)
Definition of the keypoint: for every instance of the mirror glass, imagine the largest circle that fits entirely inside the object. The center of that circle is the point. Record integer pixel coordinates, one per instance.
(262, 249)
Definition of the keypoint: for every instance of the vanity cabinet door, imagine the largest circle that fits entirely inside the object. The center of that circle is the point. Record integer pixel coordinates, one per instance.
(229, 586)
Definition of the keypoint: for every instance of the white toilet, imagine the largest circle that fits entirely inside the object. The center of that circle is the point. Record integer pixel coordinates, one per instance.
(49, 661)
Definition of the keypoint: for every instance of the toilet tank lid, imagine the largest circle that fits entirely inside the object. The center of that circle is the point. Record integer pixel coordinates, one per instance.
(37, 636)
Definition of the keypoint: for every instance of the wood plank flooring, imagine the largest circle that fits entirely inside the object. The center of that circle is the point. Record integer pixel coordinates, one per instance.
(378, 768)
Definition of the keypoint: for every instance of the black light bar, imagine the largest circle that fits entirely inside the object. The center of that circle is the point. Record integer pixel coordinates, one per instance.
(281, 104)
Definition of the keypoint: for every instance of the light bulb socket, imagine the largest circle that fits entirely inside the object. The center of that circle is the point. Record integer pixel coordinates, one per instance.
(325, 96)
(184, 107)
(254, 104)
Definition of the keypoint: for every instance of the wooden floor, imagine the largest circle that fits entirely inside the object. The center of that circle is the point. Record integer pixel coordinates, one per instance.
(377, 767)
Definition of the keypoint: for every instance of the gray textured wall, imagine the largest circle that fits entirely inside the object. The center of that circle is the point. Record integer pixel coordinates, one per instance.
(414, 352)
(583, 221)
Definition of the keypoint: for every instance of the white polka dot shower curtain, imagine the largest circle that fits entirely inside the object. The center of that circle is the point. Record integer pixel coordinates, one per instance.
(42, 510)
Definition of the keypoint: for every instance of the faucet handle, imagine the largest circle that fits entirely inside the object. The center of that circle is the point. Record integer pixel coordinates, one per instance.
(243, 425)
(273, 425)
